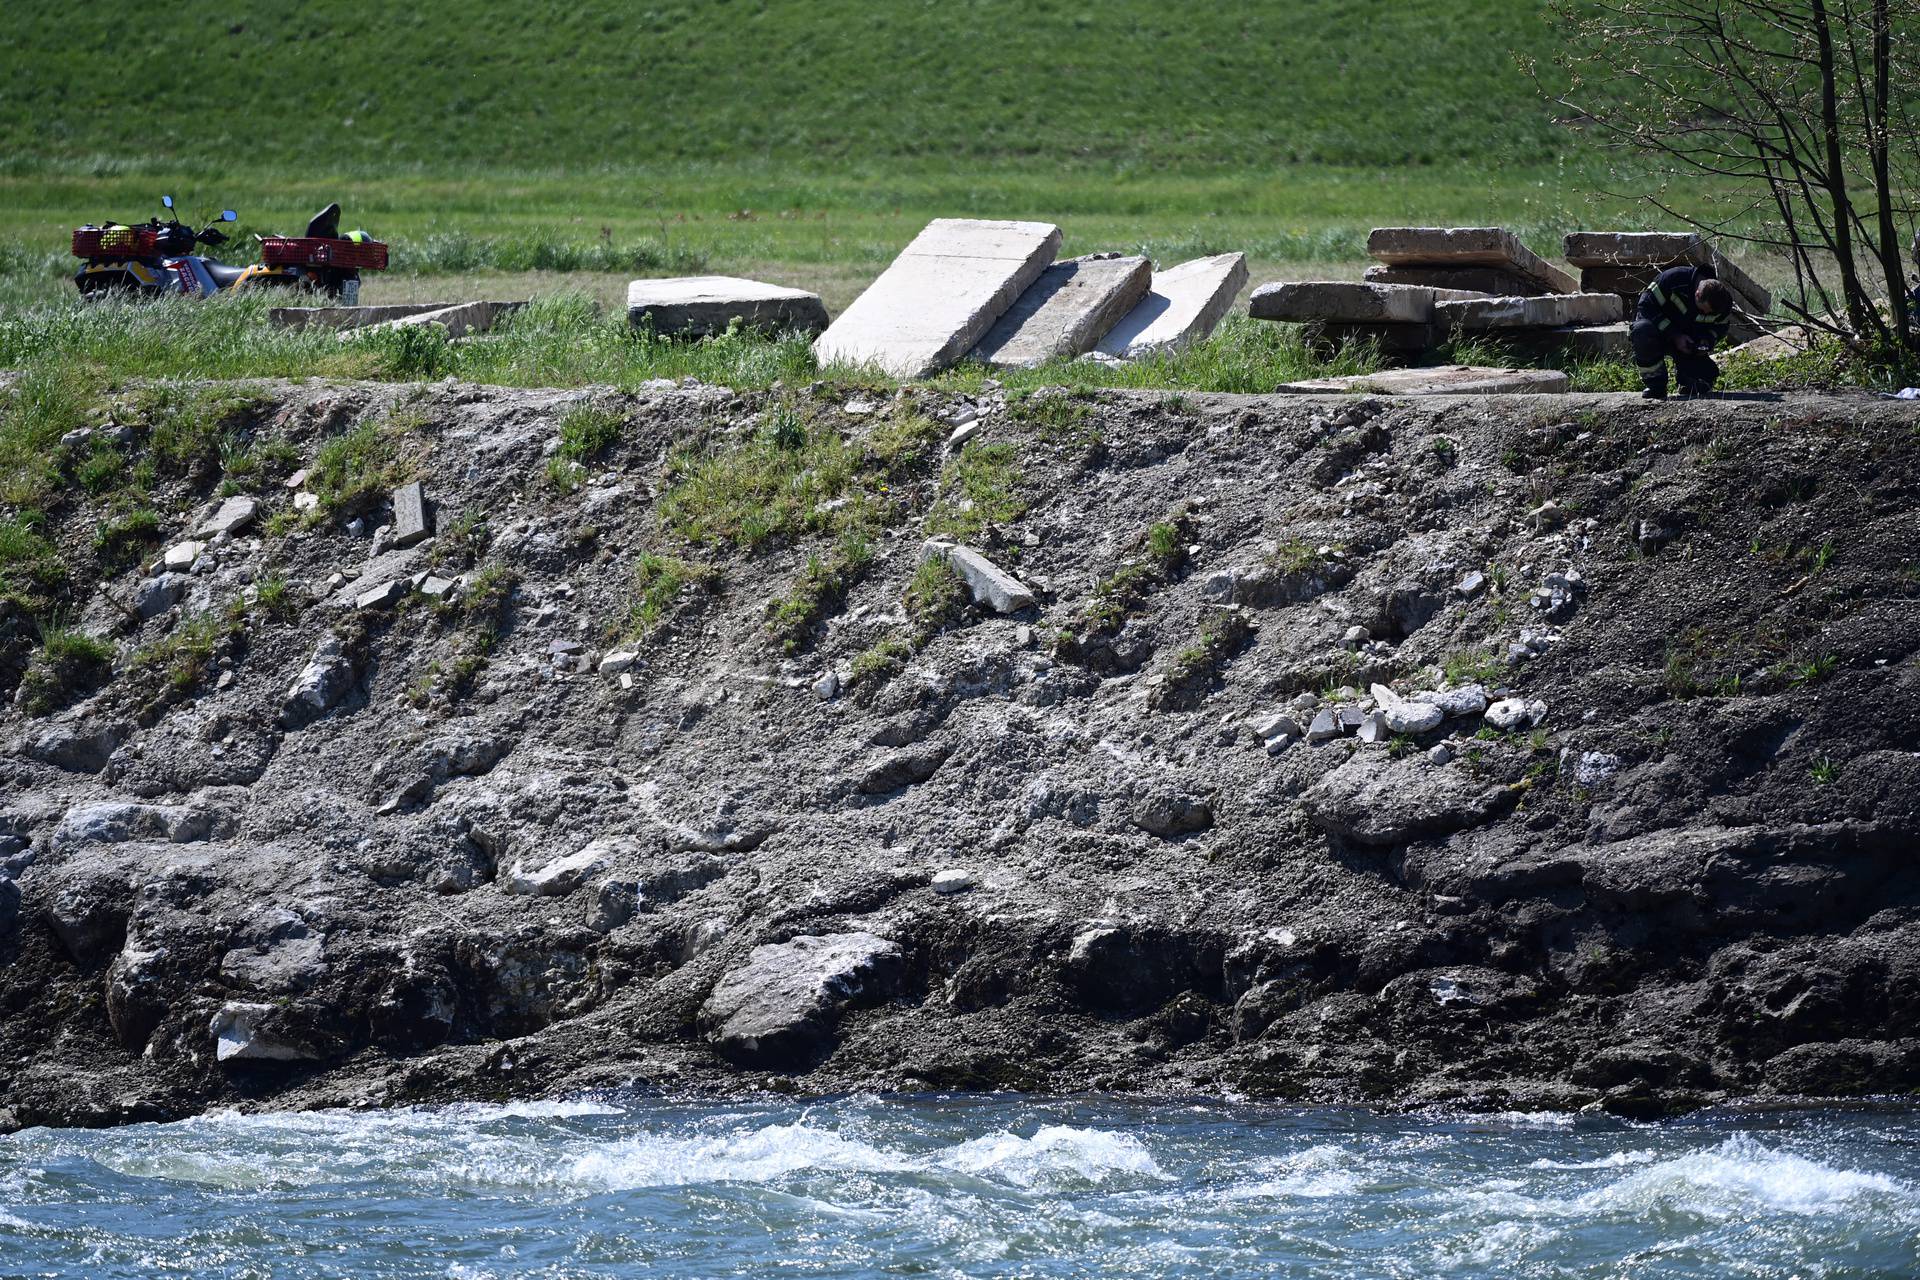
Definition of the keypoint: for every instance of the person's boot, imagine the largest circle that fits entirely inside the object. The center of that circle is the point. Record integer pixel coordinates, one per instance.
(1654, 391)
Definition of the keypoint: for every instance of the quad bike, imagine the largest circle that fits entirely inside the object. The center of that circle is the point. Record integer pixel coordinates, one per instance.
(158, 258)
(153, 258)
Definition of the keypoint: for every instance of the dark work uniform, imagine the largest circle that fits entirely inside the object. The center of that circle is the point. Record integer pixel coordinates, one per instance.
(1666, 311)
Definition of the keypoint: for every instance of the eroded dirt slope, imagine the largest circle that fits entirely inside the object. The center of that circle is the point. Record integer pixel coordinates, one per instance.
(1657, 849)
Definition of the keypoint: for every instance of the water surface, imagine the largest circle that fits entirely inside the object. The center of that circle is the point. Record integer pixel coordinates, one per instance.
(866, 1187)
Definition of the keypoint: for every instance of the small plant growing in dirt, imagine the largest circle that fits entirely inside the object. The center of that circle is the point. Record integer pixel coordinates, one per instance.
(1195, 667)
(66, 664)
(119, 541)
(354, 471)
(880, 663)
(564, 475)
(978, 489)
(587, 431)
(659, 582)
(1473, 666)
(822, 588)
(935, 596)
(31, 567)
(1824, 771)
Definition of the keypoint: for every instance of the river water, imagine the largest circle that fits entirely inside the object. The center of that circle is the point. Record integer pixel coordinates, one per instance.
(866, 1187)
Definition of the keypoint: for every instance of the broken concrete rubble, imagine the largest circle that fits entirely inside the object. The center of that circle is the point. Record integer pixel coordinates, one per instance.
(699, 306)
(940, 296)
(1066, 311)
(1475, 315)
(1182, 307)
(458, 321)
(1345, 302)
(1651, 252)
(1452, 247)
(410, 517)
(1447, 380)
(988, 583)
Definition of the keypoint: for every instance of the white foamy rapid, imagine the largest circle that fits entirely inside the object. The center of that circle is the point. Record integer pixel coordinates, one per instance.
(863, 1188)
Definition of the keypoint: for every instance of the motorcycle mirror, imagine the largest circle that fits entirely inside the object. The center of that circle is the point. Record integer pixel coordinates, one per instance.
(228, 215)
(167, 201)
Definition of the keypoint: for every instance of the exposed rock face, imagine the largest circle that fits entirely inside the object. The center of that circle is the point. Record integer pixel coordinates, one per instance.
(782, 1006)
(1353, 749)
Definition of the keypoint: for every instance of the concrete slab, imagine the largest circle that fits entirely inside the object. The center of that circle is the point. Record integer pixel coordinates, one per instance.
(1447, 380)
(459, 321)
(1344, 302)
(987, 582)
(1182, 307)
(940, 296)
(696, 306)
(409, 516)
(1551, 311)
(1660, 250)
(347, 317)
(1598, 342)
(1494, 281)
(1464, 247)
(1066, 311)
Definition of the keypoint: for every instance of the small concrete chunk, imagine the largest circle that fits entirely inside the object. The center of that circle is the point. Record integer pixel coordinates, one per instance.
(235, 514)
(1448, 380)
(348, 317)
(1182, 307)
(562, 875)
(409, 516)
(1343, 301)
(182, 554)
(1066, 311)
(1464, 247)
(697, 306)
(940, 296)
(384, 596)
(952, 880)
(783, 1006)
(617, 661)
(1552, 311)
(987, 582)
(459, 321)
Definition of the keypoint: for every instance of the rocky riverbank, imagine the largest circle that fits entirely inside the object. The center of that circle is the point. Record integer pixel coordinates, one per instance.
(1493, 751)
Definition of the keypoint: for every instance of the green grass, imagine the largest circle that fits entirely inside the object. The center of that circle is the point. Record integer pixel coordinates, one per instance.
(659, 584)
(353, 471)
(978, 489)
(587, 431)
(618, 141)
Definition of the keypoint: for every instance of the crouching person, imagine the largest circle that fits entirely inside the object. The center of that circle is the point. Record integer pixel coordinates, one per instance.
(1681, 317)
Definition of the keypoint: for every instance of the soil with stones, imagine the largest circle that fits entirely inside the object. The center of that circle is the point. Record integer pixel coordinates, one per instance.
(1497, 752)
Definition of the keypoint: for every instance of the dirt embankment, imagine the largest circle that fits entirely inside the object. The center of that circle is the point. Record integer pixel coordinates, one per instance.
(1506, 751)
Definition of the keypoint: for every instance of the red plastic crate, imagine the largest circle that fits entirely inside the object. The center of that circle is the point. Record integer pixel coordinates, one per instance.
(115, 242)
(315, 251)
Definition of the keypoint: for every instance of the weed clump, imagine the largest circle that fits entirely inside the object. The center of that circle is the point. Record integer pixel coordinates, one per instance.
(354, 471)
(659, 585)
(67, 663)
(822, 587)
(978, 489)
(587, 431)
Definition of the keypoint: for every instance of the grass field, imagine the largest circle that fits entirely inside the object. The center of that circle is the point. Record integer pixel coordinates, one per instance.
(551, 150)
(803, 142)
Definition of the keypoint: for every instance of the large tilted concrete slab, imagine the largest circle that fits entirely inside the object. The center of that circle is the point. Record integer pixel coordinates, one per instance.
(459, 321)
(1660, 250)
(696, 306)
(1447, 380)
(1345, 302)
(1182, 307)
(1550, 311)
(1066, 311)
(1496, 282)
(1464, 247)
(347, 317)
(940, 296)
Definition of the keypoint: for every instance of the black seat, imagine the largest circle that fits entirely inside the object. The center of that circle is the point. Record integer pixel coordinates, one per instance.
(325, 225)
(224, 276)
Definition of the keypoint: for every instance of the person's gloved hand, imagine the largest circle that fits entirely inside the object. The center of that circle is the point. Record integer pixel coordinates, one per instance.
(1683, 344)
